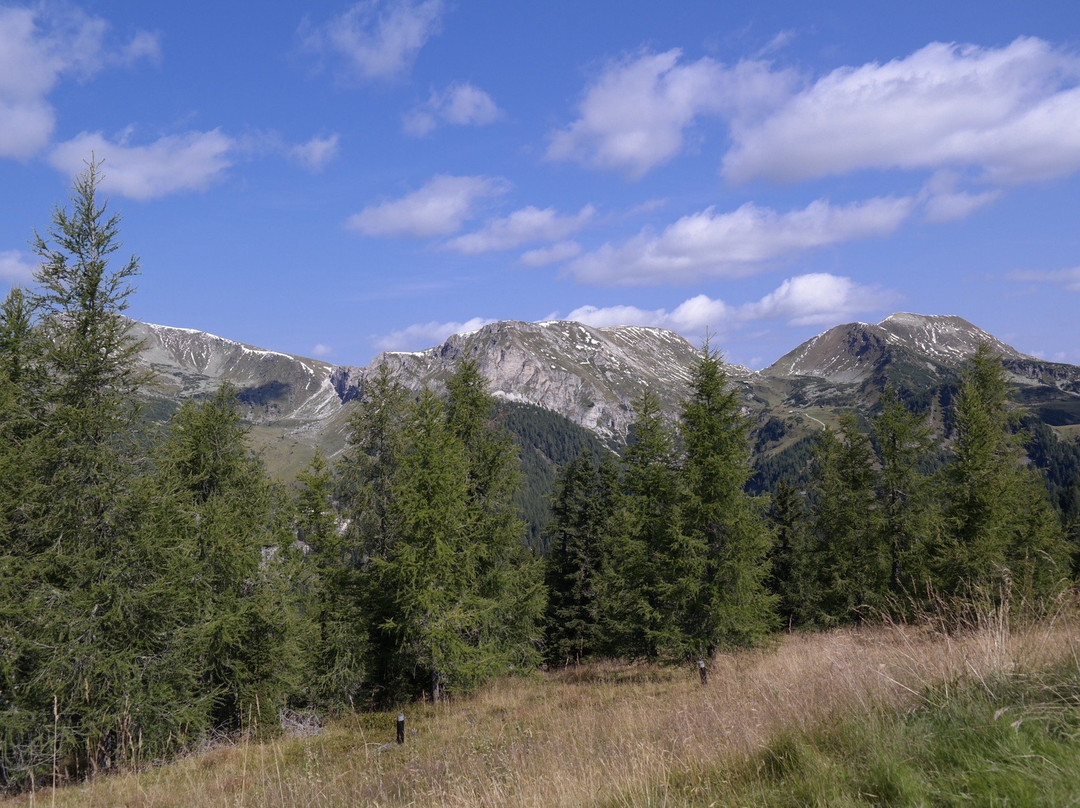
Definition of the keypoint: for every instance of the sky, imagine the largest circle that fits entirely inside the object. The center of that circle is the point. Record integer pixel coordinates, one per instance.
(335, 179)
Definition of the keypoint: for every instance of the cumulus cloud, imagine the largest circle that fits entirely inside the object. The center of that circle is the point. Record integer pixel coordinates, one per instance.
(440, 208)
(1067, 278)
(1008, 112)
(542, 256)
(378, 40)
(186, 162)
(424, 335)
(815, 299)
(460, 104)
(745, 241)
(634, 116)
(41, 44)
(317, 153)
(16, 268)
(523, 226)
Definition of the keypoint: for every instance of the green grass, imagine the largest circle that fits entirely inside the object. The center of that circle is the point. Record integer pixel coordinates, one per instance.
(1011, 741)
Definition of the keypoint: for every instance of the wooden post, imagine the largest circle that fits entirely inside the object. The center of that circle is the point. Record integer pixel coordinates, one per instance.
(704, 673)
(401, 728)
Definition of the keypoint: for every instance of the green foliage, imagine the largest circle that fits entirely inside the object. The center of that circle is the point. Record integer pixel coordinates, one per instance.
(722, 569)
(452, 595)
(1000, 528)
(582, 565)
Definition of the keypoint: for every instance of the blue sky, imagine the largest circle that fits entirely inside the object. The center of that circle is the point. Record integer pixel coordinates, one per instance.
(333, 179)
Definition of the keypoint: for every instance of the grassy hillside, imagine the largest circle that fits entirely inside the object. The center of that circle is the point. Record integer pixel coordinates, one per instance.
(881, 716)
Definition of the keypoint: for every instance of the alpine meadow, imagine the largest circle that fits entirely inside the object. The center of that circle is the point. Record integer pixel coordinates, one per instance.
(698, 612)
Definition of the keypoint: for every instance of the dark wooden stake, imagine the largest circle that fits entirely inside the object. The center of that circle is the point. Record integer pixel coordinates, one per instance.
(704, 673)
(401, 728)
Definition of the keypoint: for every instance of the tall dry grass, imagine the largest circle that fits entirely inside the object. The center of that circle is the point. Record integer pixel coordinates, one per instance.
(602, 734)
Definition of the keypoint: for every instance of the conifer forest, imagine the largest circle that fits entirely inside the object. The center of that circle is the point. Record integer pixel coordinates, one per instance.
(157, 586)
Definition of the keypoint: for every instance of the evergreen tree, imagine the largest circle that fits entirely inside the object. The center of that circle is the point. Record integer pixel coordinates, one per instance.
(579, 558)
(90, 664)
(909, 512)
(720, 590)
(236, 524)
(654, 500)
(853, 566)
(1000, 528)
(794, 572)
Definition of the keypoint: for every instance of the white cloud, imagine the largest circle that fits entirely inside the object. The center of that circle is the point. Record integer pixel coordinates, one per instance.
(460, 104)
(317, 153)
(321, 350)
(529, 224)
(815, 299)
(1068, 278)
(1008, 112)
(735, 244)
(634, 115)
(379, 40)
(38, 46)
(440, 208)
(15, 268)
(424, 335)
(942, 202)
(174, 163)
(561, 251)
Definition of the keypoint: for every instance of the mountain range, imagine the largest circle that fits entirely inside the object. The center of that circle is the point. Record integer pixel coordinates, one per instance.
(592, 376)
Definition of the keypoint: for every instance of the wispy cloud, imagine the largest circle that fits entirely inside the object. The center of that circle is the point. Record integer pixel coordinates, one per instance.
(1066, 278)
(542, 256)
(523, 226)
(634, 116)
(460, 104)
(317, 153)
(171, 164)
(16, 268)
(41, 44)
(377, 40)
(1007, 112)
(424, 335)
(440, 208)
(736, 244)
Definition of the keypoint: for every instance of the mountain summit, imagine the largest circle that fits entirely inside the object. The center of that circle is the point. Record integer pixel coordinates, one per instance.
(856, 352)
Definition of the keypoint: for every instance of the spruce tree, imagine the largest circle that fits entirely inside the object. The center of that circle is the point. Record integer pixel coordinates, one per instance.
(721, 587)
(794, 572)
(910, 518)
(653, 502)
(578, 559)
(853, 564)
(1001, 532)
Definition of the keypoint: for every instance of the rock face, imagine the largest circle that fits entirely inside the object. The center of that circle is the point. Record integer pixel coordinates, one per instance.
(593, 376)
(590, 375)
(273, 385)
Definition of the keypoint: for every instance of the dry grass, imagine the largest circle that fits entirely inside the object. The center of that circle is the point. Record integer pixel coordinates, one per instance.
(604, 734)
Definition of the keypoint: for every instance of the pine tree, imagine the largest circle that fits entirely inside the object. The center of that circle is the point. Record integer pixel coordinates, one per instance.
(721, 582)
